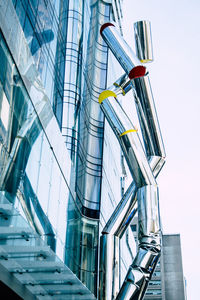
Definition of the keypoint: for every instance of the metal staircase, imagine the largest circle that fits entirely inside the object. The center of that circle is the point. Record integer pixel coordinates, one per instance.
(29, 266)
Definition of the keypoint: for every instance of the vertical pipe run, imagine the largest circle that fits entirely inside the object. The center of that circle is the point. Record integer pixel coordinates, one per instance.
(148, 217)
(109, 266)
(109, 245)
(143, 41)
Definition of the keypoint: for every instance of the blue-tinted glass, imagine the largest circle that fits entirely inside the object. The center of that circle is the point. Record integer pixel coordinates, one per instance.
(57, 6)
(134, 227)
(28, 28)
(35, 45)
(14, 2)
(35, 174)
(59, 108)
(34, 4)
(6, 68)
(31, 15)
(3, 64)
(49, 83)
(20, 12)
(1, 96)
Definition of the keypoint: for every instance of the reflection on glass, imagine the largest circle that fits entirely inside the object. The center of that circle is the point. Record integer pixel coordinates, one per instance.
(82, 246)
(30, 175)
(155, 282)
(156, 273)
(4, 115)
(40, 24)
(39, 39)
(153, 292)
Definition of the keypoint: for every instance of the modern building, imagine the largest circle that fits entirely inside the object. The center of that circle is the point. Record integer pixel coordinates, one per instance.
(174, 281)
(61, 169)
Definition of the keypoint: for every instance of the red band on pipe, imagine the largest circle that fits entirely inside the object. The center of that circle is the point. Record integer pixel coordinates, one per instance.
(105, 25)
(137, 72)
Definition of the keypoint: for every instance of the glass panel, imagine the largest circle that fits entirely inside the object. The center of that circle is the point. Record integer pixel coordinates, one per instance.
(82, 260)
(20, 12)
(40, 24)
(156, 273)
(155, 282)
(153, 292)
(28, 28)
(5, 109)
(30, 174)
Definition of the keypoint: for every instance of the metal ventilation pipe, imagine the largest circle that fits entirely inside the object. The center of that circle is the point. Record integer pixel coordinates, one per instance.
(143, 41)
(122, 51)
(148, 210)
(139, 76)
(144, 166)
(149, 123)
(109, 269)
(128, 139)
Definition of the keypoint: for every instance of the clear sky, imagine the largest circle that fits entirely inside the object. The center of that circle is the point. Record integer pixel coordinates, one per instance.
(175, 80)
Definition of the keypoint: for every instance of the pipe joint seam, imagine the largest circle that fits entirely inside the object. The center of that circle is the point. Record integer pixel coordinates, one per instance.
(116, 84)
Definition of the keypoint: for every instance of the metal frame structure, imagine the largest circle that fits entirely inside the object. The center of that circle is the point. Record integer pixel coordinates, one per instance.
(144, 163)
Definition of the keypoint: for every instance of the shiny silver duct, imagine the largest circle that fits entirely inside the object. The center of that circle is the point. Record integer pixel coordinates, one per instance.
(122, 85)
(109, 268)
(143, 41)
(151, 133)
(122, 51)
(147, 115)
(144, 263)
(148, 210)
(144, 165)
(144, 99)
(149, 123)
(128, 139)
(116, 223)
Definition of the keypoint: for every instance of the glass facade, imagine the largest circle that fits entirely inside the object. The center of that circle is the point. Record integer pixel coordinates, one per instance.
(39, 20)
(31, 177)
(60, 163)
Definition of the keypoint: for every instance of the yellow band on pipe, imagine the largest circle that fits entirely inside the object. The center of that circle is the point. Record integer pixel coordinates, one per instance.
(123, 92)
(127, 131)
(144, 61)
(106, 94)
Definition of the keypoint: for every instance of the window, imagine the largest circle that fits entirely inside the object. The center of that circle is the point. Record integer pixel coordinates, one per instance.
(153, 292)
(156, 273)
(134, 227)
(155, 282)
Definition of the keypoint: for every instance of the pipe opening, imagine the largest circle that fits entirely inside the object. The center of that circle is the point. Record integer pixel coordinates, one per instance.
(104, 26)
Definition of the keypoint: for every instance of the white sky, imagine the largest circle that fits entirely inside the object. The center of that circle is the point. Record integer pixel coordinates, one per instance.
(175, 80)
